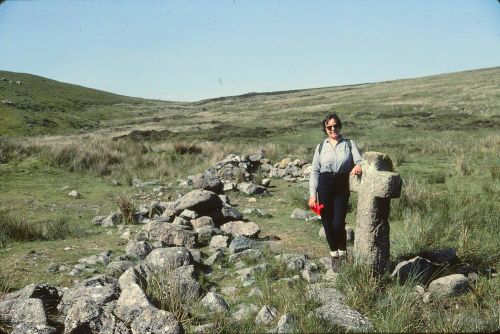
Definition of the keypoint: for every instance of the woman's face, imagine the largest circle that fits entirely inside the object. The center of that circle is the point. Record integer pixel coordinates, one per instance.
(332, 130)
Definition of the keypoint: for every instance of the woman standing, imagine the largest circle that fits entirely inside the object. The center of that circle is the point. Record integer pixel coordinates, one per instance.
(334, 160)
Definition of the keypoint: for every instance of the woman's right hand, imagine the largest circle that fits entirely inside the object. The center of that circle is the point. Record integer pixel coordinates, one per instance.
(312, 201)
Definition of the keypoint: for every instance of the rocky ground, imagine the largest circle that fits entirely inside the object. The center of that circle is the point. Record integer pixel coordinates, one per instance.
(197, 259)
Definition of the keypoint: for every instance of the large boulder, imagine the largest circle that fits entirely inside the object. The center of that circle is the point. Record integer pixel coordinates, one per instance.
(46, 293)
(101, 289)
(168, 259)
(237, 228)
(208, 181)
(132, 284)
(29, 310)
(86, 316)
(170, 234)
(201, 201)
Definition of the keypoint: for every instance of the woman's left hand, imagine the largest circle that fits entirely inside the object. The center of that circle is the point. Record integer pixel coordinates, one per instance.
(356, 170)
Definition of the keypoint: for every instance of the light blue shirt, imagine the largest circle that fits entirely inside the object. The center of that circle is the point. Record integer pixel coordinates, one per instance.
(338, 159)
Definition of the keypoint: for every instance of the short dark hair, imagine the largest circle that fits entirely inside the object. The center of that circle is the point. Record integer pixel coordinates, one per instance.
(329, 117)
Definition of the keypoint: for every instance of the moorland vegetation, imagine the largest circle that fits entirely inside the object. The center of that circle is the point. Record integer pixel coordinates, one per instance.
(441, 132)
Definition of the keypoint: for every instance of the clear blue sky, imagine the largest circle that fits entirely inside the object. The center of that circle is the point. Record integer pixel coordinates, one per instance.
(190, 50)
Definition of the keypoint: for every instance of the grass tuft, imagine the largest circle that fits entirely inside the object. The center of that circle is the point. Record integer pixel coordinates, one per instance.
(16, 229)
(127, 208)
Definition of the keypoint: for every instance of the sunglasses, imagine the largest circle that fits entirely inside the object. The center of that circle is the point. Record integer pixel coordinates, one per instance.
(331, 127)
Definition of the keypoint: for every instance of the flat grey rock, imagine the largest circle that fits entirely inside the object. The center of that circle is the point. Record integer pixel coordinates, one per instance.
(338, 314)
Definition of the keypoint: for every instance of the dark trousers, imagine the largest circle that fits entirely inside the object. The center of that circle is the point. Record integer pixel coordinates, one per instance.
(333, 193)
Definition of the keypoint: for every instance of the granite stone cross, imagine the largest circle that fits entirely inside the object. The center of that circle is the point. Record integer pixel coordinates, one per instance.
(375, 187)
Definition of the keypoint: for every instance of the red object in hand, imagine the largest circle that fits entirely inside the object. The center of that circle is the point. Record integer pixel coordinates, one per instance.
(316, 208)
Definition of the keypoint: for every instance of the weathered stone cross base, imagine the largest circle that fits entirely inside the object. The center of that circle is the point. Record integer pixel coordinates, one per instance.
(375, 188)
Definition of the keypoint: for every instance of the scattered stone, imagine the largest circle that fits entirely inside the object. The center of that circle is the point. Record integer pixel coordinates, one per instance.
(447, 256)
(324, 293)
(27, 328)
(137, 249)
(170, 234)
(286, 324)
(74, 193)
(240, 243)
(226, 213)
(154, 321)
(188, 214)
(117, 268)
(330, 276)
(214, 258)
(418, 268)
(113, 219)
(248, 273)
(244, 311)
(97, 220)
(310, 276)
(257, 212)
(201, 222)
(241, 228)
(265, 182)
(293, 262)
(250, 254)
(251, 188)
(255, 292)
(452, 285)
(203, 329)
(205, 234)
(139, 184)
(125, 235)
(229, 290)
(214, 303)
(219, 242)
(181, 221)
(208, 181)
(266, 315)
(338, 314)
(301, 214)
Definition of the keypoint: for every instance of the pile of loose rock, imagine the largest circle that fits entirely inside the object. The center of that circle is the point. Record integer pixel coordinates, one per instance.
(168, 247)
